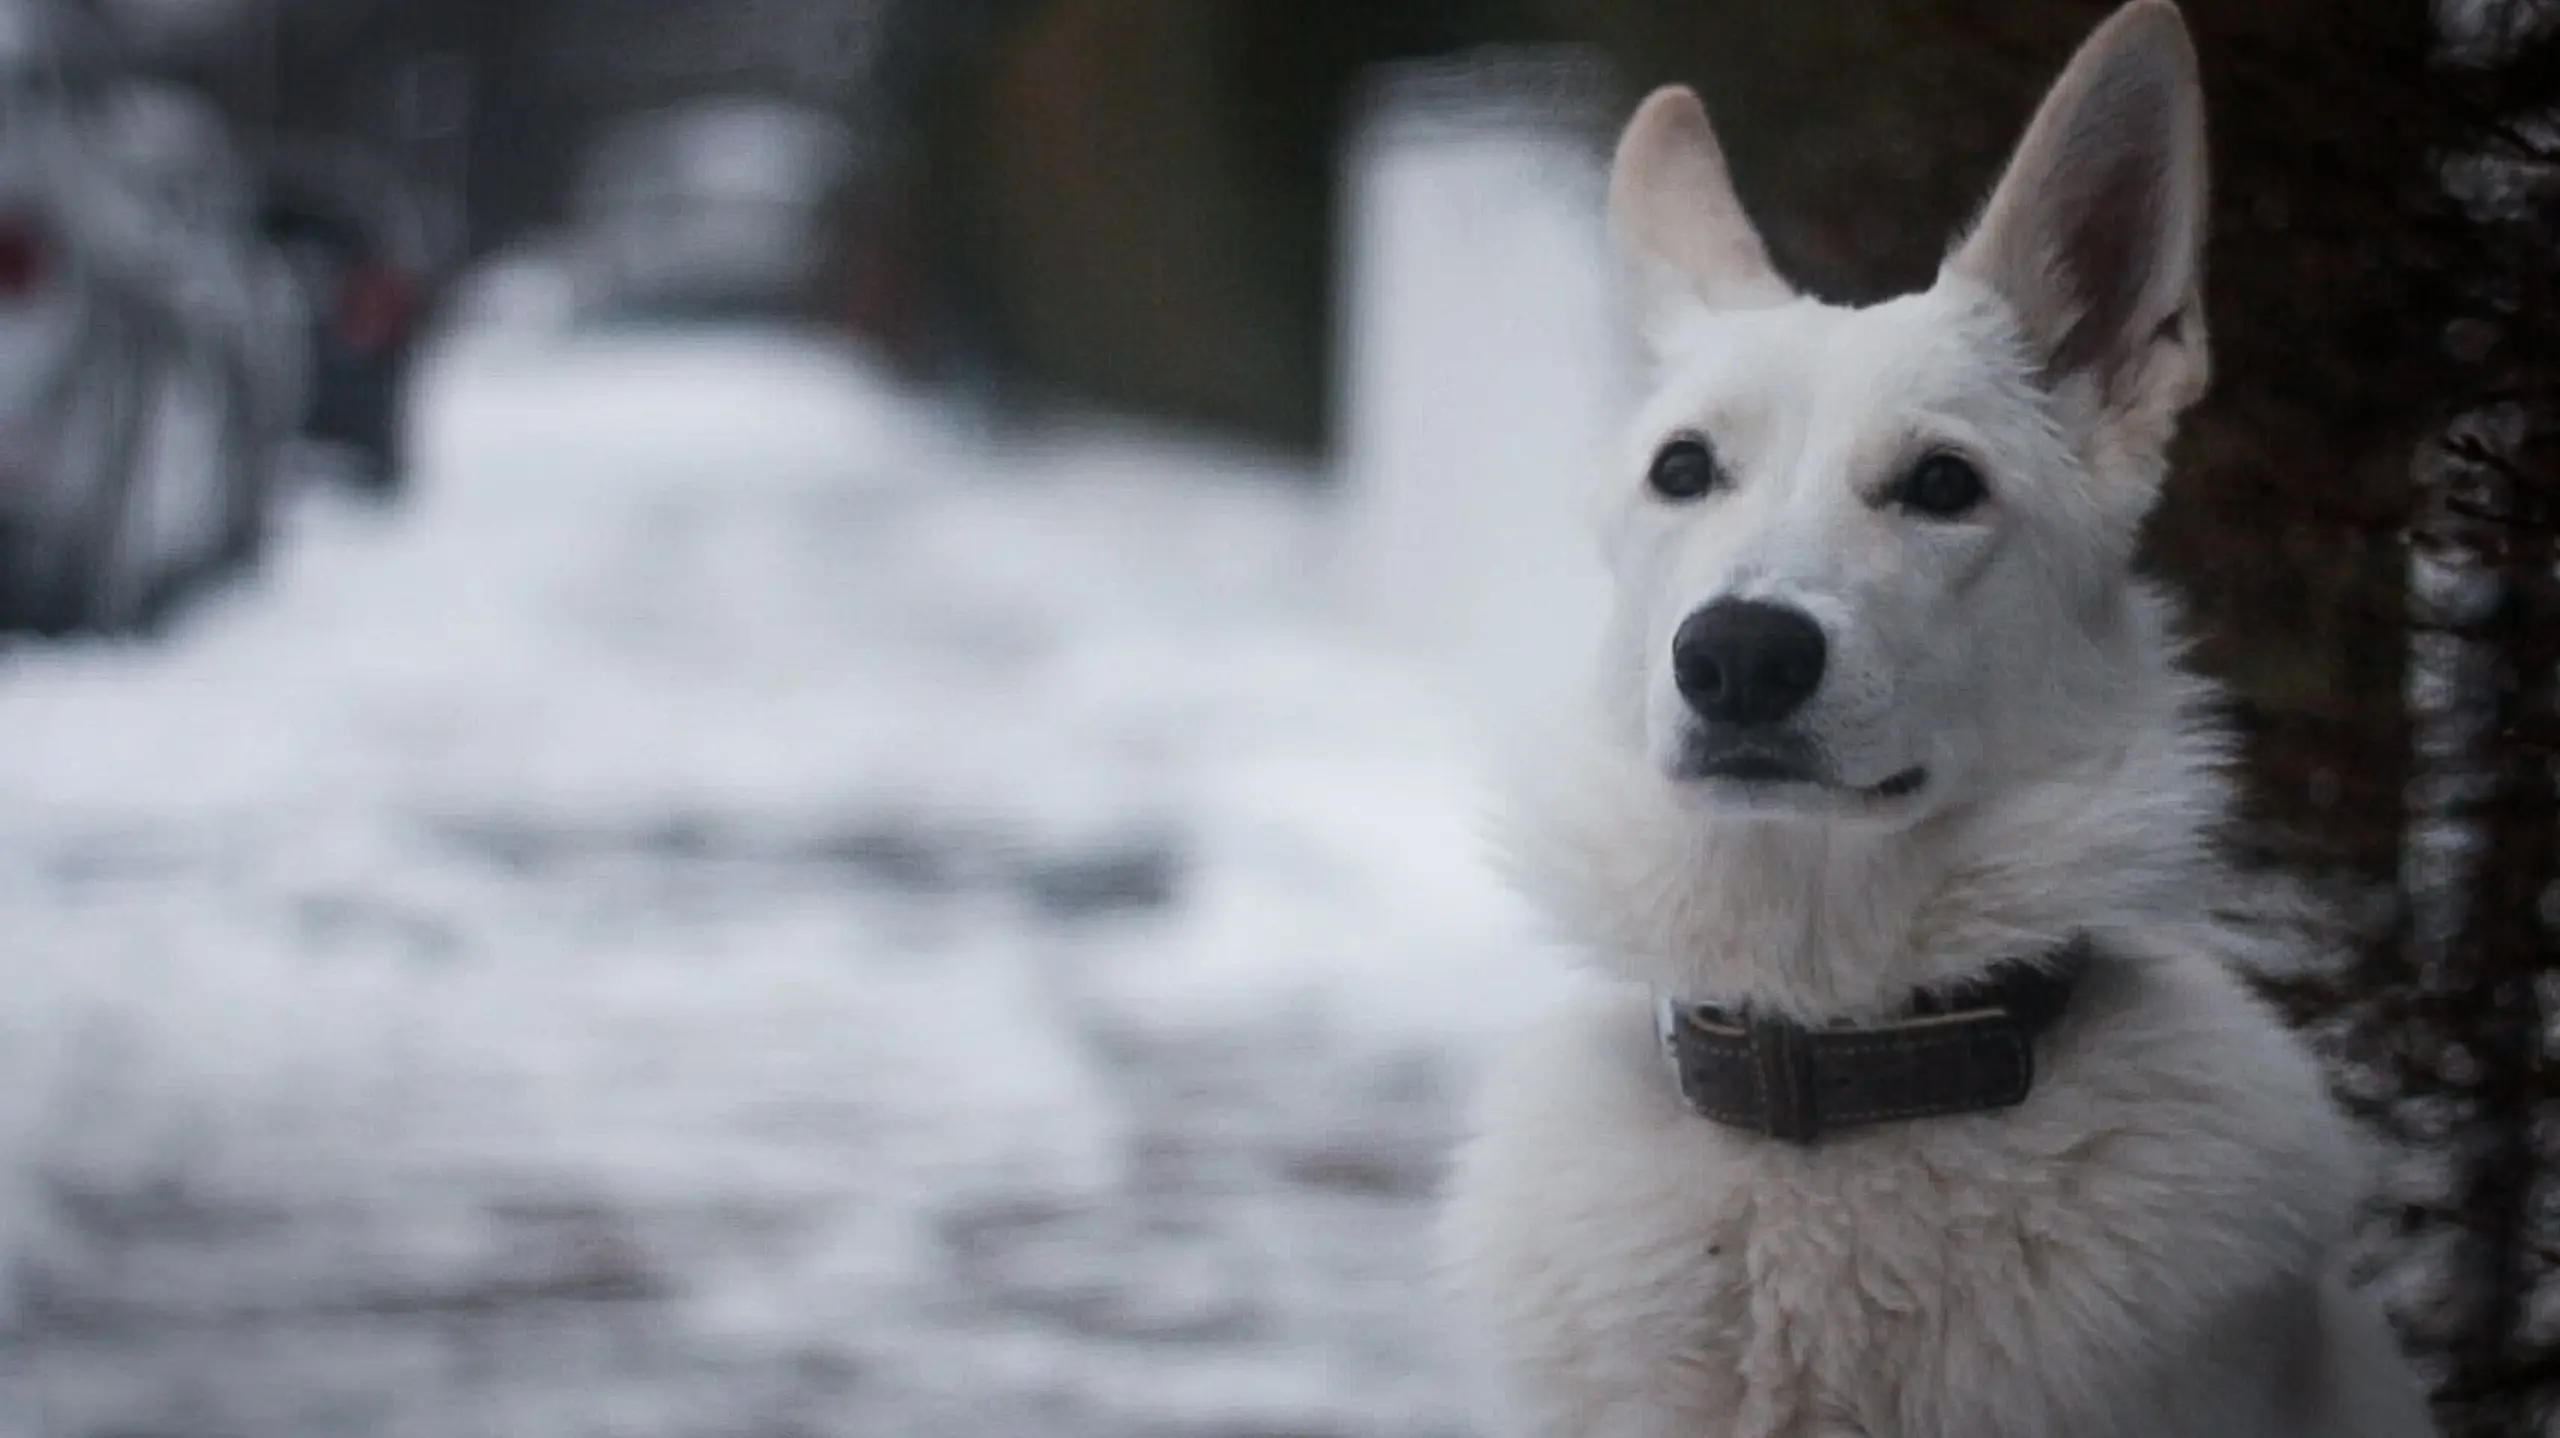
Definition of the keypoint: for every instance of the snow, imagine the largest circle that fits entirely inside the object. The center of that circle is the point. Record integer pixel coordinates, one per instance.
(742, 908)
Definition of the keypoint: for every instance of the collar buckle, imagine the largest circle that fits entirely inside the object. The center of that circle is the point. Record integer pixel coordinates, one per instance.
(1782, 1064)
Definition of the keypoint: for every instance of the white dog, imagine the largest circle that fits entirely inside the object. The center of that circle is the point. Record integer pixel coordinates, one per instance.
(1921, 1100)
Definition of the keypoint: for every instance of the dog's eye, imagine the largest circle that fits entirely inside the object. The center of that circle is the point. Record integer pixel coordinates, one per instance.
(1684, 469)
(1941, 486)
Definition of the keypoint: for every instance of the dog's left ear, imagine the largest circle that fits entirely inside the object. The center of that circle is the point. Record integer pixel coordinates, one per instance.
(2095, 235)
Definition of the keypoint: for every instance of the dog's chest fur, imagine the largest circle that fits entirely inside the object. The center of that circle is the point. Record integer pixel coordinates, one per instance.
(2047, 1271)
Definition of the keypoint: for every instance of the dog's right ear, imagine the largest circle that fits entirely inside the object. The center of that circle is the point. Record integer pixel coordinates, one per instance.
(1686, 240)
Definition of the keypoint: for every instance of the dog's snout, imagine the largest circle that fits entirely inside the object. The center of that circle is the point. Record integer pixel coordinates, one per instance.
(1739, 661)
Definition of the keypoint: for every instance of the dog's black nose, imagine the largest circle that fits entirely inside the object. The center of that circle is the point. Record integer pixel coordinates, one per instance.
(1739, 661)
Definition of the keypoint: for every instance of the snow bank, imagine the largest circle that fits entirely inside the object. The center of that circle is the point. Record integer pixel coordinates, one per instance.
(735, 849)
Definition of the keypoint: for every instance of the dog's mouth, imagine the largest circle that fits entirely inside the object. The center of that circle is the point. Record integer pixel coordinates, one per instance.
(1751, 758)
(1754, 768)
(1901, 786)
(1788, 763)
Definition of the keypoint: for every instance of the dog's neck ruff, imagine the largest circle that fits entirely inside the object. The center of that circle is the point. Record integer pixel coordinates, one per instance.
(1969, 1048)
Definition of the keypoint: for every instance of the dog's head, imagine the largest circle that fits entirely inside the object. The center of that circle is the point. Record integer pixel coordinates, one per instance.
(1865, 557)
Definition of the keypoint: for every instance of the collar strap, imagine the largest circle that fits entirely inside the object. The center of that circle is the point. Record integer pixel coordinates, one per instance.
(1965, 1049)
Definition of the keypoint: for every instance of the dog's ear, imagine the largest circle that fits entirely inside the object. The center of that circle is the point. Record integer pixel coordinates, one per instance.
(1682, 231)
(2095, 234)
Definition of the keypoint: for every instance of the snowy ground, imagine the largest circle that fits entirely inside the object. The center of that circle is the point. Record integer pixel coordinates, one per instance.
(737, 912)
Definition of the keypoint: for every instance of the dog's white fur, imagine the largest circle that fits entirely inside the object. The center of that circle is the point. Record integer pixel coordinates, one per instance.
(2150, 1245)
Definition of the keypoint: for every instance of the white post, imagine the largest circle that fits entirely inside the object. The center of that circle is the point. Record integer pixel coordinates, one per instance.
(1481, 365)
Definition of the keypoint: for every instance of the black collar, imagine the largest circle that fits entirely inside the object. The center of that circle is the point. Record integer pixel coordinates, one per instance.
(1965, 1049)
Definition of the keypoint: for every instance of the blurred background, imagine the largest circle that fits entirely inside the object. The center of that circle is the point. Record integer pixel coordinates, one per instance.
(768, 717)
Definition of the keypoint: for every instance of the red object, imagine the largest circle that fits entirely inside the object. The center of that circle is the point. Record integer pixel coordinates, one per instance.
(375, 306)
(22, 258)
